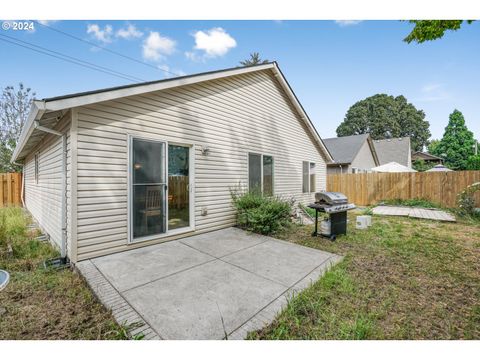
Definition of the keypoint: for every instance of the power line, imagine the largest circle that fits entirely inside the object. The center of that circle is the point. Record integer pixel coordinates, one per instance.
(68, 58)
(104, 48)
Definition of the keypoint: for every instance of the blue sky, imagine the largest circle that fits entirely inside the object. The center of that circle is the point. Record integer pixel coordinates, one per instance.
(330, 65)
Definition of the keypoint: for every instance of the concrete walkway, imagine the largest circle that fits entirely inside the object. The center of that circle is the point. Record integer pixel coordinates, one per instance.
(211, 286)
(420, 213)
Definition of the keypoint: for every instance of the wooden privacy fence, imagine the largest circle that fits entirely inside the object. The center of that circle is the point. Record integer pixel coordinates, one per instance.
(10, 189)
(438, 187)
(178, 196)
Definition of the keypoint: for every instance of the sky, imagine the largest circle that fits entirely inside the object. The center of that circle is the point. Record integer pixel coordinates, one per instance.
(329, 64)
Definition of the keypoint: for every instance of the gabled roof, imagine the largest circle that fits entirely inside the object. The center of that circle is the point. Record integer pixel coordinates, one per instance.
(49, 111)
(396, 149)
(344, 149)
(425, 156)
(393, 167)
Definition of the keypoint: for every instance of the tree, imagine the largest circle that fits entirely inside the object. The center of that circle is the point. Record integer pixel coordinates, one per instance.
(422, 165)
(473, 162)
(428, 30)
(384, 117)
(432, 146)
(457, 143)
(254, 60)
(14, 108)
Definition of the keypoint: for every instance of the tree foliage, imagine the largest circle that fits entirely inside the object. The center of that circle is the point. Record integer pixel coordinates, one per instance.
(422, 165)
(14, 108)
(253, 60)
(428, 30)
(457, 143)
(384, 117)
(473, 162)
(432, 146)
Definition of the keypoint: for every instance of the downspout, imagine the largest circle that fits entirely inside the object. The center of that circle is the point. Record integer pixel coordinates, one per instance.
(63, 248)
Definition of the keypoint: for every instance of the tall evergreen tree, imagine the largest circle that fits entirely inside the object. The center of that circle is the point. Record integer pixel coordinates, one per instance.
(457, 143)
(253, 60)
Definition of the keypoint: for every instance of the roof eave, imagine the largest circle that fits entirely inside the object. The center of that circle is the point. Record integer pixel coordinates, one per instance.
(36, 112)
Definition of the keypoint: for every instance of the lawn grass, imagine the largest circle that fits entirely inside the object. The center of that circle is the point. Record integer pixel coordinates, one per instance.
(402, 278)
(45, 304)
(417, 202)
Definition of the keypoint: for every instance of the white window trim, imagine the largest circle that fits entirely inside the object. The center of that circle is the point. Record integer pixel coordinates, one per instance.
(261, 170)
(191, 188)
(308, 182)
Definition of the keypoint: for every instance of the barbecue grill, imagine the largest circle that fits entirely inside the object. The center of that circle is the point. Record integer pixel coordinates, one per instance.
(336, 205)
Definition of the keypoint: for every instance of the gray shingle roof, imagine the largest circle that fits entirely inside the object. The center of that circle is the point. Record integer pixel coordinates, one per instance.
(396, 149)
(345, 148)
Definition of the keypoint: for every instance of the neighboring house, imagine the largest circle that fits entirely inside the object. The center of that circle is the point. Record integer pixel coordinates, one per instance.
(426, 157)
(120, 168)
(394, 150)
(351, 154)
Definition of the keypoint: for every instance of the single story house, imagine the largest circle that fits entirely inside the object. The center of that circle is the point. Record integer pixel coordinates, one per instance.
(120, 168)
(351, 154)
(426, 157)
(394, 150)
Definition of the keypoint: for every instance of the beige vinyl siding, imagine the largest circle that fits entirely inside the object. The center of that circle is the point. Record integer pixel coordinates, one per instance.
(44, 200)
(230, 116)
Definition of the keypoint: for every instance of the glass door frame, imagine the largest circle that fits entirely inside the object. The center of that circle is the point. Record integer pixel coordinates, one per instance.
(191, 190)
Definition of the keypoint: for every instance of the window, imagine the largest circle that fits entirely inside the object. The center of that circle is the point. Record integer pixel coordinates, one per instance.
(260, 173)
(36, 167)
(312, 177)
(308, 177)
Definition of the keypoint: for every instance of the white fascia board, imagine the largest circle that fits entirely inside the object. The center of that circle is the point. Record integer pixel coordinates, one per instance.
(87, 99)
(302, 112)
(36, 112)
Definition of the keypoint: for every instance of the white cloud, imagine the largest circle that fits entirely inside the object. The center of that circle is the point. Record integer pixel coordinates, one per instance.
(433, 92)
(214, 42)
(171, 72)
(191, 55)
(130, 32)
(343, 23)
(47, 22)
(156, 46)
(103, 35)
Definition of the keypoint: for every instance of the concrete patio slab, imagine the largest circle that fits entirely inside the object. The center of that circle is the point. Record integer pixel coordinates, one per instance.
(223, 242)
(420, 213)
(223, 283)
(279, 261)
(191, 304)
(132, 268)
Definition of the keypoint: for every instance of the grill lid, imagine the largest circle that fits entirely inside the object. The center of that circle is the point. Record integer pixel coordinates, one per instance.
(331, 198)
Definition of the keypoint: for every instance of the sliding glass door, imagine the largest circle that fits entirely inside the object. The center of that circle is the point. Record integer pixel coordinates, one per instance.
(159, 188)
(148, 188)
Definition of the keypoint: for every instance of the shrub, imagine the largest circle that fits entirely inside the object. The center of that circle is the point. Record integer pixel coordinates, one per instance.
(261, 214)
(466, 199)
